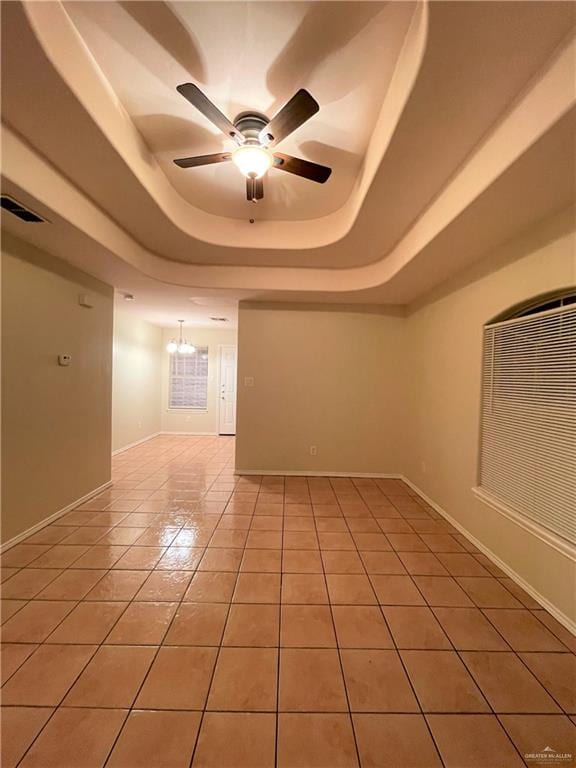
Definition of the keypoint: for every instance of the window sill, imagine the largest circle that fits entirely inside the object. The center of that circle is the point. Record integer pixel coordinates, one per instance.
(560, 544)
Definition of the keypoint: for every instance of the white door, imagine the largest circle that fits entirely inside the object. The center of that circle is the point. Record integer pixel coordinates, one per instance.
(227, 378)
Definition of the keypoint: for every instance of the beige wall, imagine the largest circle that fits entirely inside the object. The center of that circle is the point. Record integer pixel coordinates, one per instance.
(56, 438)
(380, 394)
(444, 344)
(330, 379)
(136, 380)
(200, 422)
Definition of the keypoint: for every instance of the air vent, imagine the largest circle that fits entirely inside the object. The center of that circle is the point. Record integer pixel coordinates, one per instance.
(18, 210)
(219, 319)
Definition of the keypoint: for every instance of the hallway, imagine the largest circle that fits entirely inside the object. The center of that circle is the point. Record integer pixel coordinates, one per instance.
(190, 617)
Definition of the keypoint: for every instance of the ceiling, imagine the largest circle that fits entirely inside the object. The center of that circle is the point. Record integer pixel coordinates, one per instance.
(431, 115)
(250, 56)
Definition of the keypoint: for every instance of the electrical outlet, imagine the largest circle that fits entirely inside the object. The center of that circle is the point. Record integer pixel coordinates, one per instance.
(313, 450)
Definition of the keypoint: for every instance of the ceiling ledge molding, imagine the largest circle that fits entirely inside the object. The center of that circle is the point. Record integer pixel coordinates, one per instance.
(66, 51)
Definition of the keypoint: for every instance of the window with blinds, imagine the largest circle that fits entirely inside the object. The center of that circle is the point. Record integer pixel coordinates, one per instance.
(188, 386)
(528, 417)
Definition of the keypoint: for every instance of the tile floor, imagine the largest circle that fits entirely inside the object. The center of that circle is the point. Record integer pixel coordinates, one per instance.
(188, 617)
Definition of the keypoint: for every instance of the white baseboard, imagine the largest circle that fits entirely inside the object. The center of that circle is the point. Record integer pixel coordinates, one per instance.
(47, 520)
(314, 473)
(191, 434)
(566, 621)
(135, 443)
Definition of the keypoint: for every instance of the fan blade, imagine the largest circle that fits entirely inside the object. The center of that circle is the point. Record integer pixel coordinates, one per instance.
(293, 114)
(209, 110)
(254, 189)
(312, 171)
(193, 162)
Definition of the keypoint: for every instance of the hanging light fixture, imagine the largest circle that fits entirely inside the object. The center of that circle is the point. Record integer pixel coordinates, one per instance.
(180, 345)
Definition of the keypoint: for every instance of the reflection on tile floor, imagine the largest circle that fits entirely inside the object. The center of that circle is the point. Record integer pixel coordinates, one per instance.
(188, 617)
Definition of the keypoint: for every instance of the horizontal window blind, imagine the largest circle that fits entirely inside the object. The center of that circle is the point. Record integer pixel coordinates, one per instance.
(189, 380)
(528, 417)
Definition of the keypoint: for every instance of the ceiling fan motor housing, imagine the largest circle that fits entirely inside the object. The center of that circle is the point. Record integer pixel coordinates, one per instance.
(249, 124)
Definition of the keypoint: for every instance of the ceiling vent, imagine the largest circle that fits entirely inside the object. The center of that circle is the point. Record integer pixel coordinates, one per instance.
(219, 319)
(13, 206)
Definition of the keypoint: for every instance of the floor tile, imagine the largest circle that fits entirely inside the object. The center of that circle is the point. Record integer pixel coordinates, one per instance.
(88, 623)
(252, 625)
(244, 680)
(142, 624)
(23, 554)
(422, 564)
(361, 626)
(76, 737)
(442, 682)
(557, 673)
(522, 631)
(532, 733)
(221, 560)
(159, 739)
(382, 563)
(442, 591)
(323, 690)
(557, 629)
(178, 679)
(332, 540)
(46, 676)
(164, 586)
(462, 564)
(118, 585)
(395, 740)
(12, 656)
(350, 590)
(300, 540)
(488, 593)
(180, 558)
(257, 588)
(303, 589)
(9, 608)
(35, 621)
(473, 741)
(261, 561)
(236, 740)
(507, 683)
(198, 624)
(315, 741)
(211, 587)
(376, 682)
(100, 557)
(307, 626)
(73, 584)
(60, 556)
(112, 678)
(28, 582)
(397, 590)
(20, 726)
(415, 628)
(342, 562)
(301, 561)
(469, 630)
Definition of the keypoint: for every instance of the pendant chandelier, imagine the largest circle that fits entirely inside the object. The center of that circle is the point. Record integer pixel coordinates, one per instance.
(180, 345)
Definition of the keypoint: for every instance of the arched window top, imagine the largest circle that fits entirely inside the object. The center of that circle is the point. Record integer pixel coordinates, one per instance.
(542, 303)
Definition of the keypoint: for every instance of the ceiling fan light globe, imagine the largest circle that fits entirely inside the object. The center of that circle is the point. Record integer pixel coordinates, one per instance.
(172, 347)
(252, 161)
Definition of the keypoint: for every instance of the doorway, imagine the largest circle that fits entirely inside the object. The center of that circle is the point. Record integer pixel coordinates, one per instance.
(227, 359)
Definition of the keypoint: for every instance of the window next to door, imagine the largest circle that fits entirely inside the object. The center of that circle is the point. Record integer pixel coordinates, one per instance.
(188, 380)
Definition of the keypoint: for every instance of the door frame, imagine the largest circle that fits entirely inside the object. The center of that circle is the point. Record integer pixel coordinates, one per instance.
(220, 348)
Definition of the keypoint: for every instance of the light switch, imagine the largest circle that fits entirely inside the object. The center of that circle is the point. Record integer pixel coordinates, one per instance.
(248, 381)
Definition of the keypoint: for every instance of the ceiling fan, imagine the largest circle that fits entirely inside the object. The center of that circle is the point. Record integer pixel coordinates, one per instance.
(254, 135)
